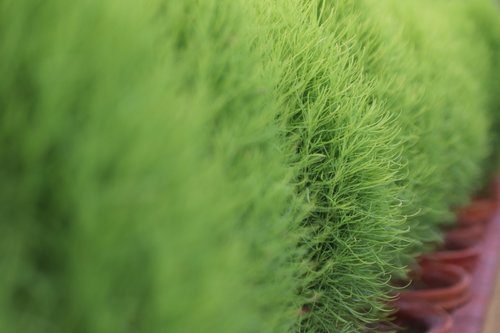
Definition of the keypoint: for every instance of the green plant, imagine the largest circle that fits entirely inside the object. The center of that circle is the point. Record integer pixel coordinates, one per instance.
(231, 165)
(345, 149)
(485, 18)
(429, 75)
(143, 185)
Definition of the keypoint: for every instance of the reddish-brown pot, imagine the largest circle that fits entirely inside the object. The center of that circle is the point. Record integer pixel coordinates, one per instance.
(421, 317)
(479, 211)
(447, 286)
(459, 249)
(465, 236)
(415, 317)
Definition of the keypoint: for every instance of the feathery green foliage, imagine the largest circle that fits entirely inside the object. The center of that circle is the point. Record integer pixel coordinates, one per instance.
(143, 187)
(346, 155)
(487, 23)
(230, 165)
(429, 72)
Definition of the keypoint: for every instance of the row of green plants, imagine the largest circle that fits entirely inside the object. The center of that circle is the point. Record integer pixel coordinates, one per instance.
(234, 166)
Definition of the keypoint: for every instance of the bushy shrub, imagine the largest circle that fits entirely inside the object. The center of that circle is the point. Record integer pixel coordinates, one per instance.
(485, 18)
(231, 165)
(429, 72)
(346, 154)
(416, 67)
(143, 185)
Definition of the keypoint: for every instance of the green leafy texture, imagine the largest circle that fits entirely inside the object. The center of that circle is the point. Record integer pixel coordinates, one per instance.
(345, 149)
(416, 70)
(486, 19)
(143, 186)
(430, 73)
(230, 165)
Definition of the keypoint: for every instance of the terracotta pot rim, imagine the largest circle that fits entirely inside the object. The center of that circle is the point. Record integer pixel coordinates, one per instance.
(465, 230)
(461, 228)
(459, 287)
(479, 211)
(435, 318)
(466, 259)
(472, 251)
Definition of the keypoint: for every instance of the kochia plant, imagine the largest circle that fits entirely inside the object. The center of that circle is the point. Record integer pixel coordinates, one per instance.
(230, 165)
(346, 152)
(143, 185)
